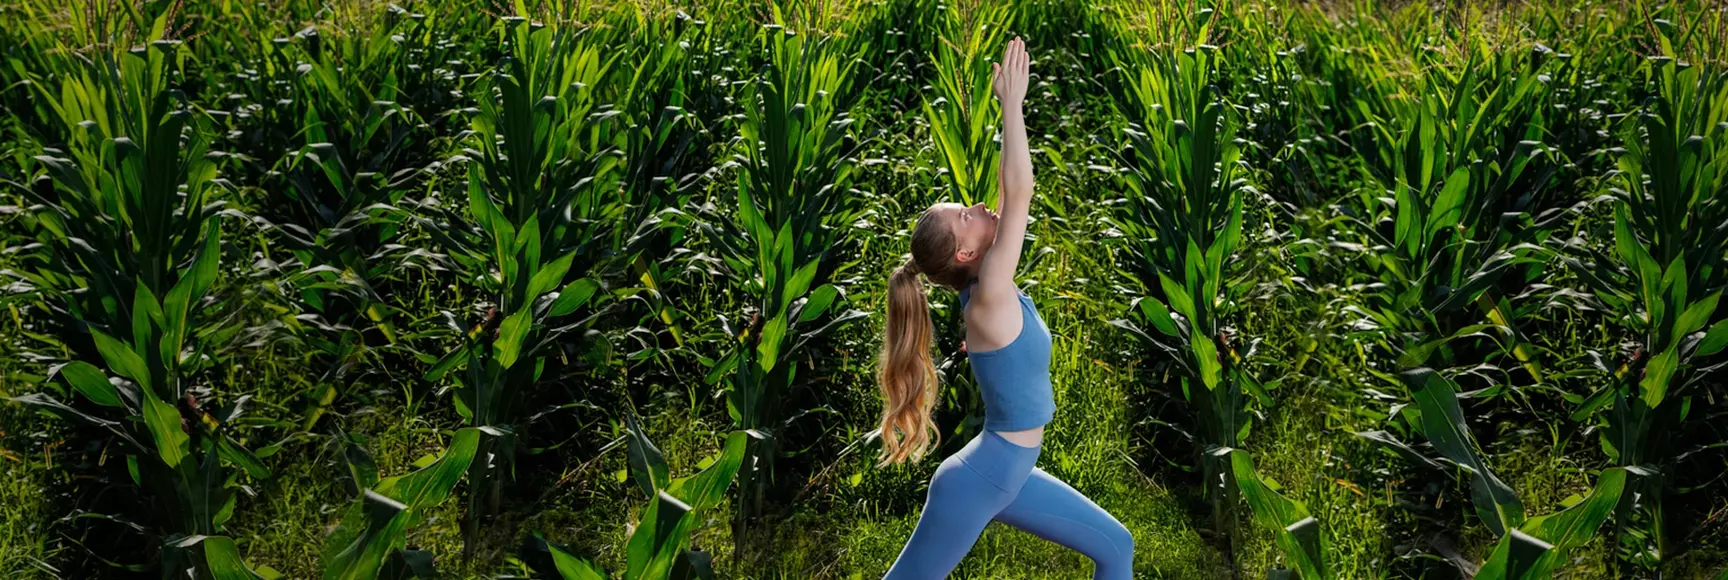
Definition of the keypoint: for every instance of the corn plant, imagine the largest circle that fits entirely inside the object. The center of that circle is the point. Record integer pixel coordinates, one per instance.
(540, 201)
(660, 95)
(371, 540)
(340, 210)
(794, 209)
(1182, 223)
(657, 547)
(1457, 160)
(131, 242)
(963, 116)
(1662, 283)
(1467, 180)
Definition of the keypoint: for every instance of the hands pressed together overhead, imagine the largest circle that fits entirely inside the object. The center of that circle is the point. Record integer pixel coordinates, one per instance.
(1010, 74)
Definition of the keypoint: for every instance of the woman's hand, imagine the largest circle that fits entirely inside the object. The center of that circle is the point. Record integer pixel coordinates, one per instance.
(1010, 74)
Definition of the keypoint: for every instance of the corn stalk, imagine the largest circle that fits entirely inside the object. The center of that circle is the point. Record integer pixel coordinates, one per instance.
(1663, 280)
(1182, 221)
(541, 203)
(795, 207)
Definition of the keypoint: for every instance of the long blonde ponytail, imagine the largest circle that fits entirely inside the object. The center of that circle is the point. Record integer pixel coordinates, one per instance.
(905, 371)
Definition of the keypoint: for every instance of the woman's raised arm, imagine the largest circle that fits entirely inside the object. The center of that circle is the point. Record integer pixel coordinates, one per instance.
(1014, 202)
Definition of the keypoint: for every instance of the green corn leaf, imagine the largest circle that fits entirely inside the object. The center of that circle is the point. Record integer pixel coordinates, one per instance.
(1625, 243)
(1443, 424)
(1448, 209)
(1654, 386)
(768, 349)
(1714, 341)
(1295, 531)
(455, 358)
(1417, 355)
(203, 272)
(1207, 298)
(480, 206)
(785, 242)
(191, 288)
(1231, 237)
(430, 485)
(705, 489)
(362, 468)
(1518, 556)
(549, 276)
(753, 222)
(380, 523)
(1668, 296)
(1193, 265)
(144, 302)
(573, 296)
(1573, 527)
(1695, 316)
(568, 566)
(163, 420)
(1158, 315)
(799, 283)
(1400, 448)
(1407, 223)
(406, 564)
(647, 465)
(818, 303)
(235, 454)
(693, 565)
(43, 402)
(121, 359)
(1650, 276)
(144, 324)
(89, 380)
(1602, 398)
(1206, 355)
(511, 332)
(1540, 545)
(1178, 297)
(376, 524)
(527, 250)
(223, 559)
(659, 538)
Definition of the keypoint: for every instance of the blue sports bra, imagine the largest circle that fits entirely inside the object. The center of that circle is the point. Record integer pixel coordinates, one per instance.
(1015, 379)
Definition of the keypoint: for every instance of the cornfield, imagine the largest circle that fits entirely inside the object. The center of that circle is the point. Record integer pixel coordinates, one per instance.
(557, 289)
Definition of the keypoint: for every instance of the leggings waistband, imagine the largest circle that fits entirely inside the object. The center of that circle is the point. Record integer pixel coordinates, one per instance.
(1004, 463)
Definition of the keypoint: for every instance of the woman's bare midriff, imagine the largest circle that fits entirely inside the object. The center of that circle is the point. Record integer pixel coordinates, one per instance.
(1024, 438)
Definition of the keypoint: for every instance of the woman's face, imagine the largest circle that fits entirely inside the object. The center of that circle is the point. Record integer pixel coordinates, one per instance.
(974, 229)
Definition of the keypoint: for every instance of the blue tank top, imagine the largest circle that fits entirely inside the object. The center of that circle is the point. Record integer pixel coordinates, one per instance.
(1015, 379)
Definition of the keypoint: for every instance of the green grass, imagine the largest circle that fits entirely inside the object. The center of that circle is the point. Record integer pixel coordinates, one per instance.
(27, 506)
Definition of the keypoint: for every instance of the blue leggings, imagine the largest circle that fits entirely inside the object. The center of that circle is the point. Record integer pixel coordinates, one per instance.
(994, 478)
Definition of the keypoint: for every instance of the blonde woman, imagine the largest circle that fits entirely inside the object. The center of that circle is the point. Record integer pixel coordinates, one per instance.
(975, 251)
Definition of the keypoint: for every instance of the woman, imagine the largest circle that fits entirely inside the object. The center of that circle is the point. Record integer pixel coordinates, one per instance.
(976, 251)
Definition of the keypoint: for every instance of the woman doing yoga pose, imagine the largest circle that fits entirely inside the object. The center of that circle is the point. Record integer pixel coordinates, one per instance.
(975, 251)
